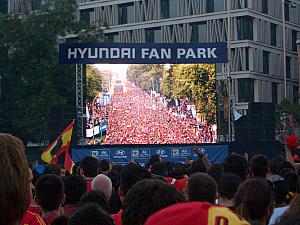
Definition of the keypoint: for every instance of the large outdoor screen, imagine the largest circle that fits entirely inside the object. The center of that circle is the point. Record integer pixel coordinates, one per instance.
(151, 104)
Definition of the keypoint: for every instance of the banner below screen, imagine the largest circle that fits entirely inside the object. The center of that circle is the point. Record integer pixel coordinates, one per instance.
(127, 53)
(123, 155)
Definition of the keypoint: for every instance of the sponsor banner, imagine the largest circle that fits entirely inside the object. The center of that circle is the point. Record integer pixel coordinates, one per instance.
(141, 154)
(142, 53)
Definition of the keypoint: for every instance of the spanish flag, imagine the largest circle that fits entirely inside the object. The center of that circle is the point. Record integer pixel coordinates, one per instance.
(59, 149)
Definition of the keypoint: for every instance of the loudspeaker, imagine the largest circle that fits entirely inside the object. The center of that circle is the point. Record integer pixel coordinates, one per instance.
(258, 125)
(59, 119)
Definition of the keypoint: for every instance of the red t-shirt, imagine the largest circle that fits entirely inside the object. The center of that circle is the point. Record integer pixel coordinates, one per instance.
(88, 185)
(70, 209)
(32, 219)
(35, 209)
(117, 217)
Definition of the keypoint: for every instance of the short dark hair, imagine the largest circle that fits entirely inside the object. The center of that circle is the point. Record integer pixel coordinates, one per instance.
(216, 172)
(202, 188)
(197, 167)
(52, 169)
(254, 199)
(95, 196)
(159, 169)
(236, 164)
(229, 184)
(147, 197)
(131, 174)
(14, 179)
(90, 166)
(260, 166)
(104, 165)
(49, 191)
(291, 177)
(91, 214)
(281, 189)
(75, 187)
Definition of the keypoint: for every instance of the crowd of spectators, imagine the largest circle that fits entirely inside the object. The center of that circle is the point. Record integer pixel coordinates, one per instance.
(136, 118)
(241, 191)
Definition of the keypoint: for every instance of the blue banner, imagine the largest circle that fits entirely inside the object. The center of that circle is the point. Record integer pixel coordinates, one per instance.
(141, 154)
(128, 53)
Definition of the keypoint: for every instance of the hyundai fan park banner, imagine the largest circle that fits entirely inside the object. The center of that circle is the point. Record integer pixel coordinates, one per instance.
(128, 53)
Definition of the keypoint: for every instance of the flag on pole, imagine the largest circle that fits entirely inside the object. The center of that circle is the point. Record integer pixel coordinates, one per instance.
(59, 149)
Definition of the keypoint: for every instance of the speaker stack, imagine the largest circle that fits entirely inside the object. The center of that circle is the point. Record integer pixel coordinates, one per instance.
(258, 124)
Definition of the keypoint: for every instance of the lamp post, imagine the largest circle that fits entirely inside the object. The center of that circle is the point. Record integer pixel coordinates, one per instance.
(229, 67)
(298, 50)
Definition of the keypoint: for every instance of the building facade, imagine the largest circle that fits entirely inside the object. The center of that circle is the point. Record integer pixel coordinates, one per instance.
(257, 53)
(256, 37)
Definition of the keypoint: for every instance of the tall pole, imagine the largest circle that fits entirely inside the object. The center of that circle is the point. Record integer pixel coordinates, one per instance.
(284, 49)
(229, 66)
(298, 50)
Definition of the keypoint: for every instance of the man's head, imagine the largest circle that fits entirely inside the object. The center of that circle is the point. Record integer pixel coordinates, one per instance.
(91, 214)
(104, 166)
(89, 167)
(236, 164)
(131, 174)
(202, 188)
(260, 166)
(147, 197)
(49, 192)
(103, 183)
(228, 186)
(97, 197)
(75, 187)
(14, 180)
(52, 169)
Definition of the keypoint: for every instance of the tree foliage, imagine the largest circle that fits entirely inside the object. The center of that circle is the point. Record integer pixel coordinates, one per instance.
(284, 109)
(146, 76)
(32, 79)
(93, 83)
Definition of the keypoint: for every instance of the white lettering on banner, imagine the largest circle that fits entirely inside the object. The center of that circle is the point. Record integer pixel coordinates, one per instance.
(82, 52)
(211, 53)
(72, 53)
(95, 56)
(202, 53)
(146, 53)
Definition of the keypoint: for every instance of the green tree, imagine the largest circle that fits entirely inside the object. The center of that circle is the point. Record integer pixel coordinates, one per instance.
(93, 83)
(168, 82)
(288, 109)
(32, 79)
(198, 84)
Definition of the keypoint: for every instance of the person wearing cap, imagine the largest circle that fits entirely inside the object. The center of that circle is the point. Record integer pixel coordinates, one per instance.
(291, 143)
(195, 213)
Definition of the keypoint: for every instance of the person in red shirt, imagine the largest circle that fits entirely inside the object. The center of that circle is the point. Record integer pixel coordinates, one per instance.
(50, 196)
(88, 169)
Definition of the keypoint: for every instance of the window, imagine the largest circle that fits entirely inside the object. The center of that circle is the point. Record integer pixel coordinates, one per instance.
(85, 16)
(4, 6)
(265, 6)
(246, 90)
(247, 58)
(286, 11)
(153, 35)
(294, 40)
(266, 62)
(170, 8)
(113, 37)
(126, 13)
(274, 93)
(199, 32)
(215, 6)
(296, 95)
(273, 34)
(288, 67)
(245, 28)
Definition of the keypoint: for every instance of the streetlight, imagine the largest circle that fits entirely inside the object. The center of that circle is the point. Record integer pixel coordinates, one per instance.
(291, 3)
(298, 50)
(229, 66)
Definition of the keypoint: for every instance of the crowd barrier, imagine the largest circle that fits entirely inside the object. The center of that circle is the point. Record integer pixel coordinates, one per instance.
(122, 154)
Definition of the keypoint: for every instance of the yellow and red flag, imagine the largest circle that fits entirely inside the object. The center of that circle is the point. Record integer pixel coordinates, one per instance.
(59, 148)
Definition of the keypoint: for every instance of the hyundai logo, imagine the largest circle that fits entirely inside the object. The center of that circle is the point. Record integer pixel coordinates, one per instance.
(160, 152)
(120, 152)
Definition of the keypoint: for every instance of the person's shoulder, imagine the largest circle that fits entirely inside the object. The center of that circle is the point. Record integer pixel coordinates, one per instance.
(31, 218)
